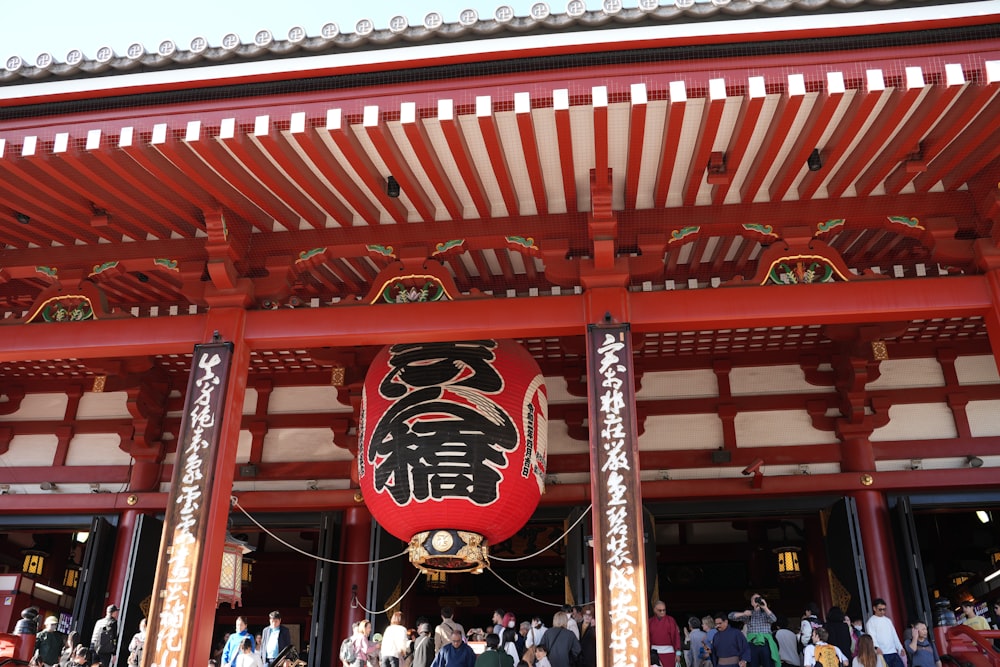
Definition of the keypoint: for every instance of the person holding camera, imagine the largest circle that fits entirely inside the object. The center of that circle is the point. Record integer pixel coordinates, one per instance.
(758, 620)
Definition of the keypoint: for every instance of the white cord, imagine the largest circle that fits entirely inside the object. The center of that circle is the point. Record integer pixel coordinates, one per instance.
(554, 542)
(236, 504)
(357, 603)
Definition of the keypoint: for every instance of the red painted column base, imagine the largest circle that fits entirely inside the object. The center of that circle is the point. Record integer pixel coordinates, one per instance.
(873, 518)
(353, 579)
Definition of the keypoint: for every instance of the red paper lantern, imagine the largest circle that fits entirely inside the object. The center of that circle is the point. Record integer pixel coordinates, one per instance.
(452, 446)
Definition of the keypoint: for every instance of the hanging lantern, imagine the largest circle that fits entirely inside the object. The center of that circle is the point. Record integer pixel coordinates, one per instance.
(788, 562)
(436, 579)
(994, 555)
(34, 560)
(230, 578)
(71, 577)
(452, 447)
(959, 578)
(246, 575)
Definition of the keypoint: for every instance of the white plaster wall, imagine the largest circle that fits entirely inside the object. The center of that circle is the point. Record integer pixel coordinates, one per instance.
(773, 428)
(39, 406)
(96, 449)
(748, 381)
(290, 400)
(919, 421)
(103, 405)
(302, 444)
(980, 369)
(559, 441)
(555, 390)
(30, 450)
(250, 401)
(678, 384)
(907, 373)
(984, 418)
(675, 432)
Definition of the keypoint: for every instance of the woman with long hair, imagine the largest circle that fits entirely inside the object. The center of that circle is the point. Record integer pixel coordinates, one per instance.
(867, 655)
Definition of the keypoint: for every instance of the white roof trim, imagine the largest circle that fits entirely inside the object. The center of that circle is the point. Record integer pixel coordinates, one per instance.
(516, 46)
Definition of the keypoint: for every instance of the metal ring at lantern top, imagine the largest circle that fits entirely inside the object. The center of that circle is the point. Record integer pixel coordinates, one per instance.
(449, 550)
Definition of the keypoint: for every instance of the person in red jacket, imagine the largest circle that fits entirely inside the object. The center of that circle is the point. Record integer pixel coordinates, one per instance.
(664, 635)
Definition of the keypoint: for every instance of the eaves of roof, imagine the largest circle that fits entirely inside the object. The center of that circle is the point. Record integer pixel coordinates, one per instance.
(470, 40)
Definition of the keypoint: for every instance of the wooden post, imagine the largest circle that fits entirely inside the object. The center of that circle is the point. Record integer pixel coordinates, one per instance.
(185, 592)
(619, 563)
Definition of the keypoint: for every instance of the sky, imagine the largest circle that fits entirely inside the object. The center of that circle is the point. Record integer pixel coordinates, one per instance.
(59, 26)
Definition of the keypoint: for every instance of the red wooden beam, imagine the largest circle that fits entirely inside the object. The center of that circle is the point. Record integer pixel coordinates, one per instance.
(636, 141)
(816, 126)
(311, 143)
(499, 161)
(278, 147)
(529, 147)
(711, 118)
(965, 109)
(422, 147)
(781, 123)
(250, 155)
(394, 159)
(746, 125)
(564, 135)
(342, 134)
(463, 160)
(907, 139)
(674, 124)
(680, 310)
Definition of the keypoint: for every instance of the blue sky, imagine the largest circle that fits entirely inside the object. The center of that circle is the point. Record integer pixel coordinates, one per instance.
(58, 26)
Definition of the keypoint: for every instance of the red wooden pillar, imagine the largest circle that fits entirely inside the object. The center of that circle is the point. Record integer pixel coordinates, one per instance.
(873, 519)
(120, 558)
(353, 580)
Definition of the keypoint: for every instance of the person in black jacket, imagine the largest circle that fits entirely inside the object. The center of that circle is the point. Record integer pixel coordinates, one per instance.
(838, 629)
(423, 647)
(561, 645)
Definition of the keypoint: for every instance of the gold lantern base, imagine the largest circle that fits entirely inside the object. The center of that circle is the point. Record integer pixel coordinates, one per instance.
(449, 550)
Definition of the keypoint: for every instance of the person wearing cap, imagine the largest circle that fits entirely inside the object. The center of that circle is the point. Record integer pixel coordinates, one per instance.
(110, 621)
(49, 643)
(423, 646)
(971, 619)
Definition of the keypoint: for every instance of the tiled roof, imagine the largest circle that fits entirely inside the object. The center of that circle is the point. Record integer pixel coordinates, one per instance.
(470, 26)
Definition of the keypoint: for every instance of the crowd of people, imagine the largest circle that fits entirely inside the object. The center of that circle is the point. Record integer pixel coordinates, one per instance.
(751, 637)
(570, 640)
(764, 640)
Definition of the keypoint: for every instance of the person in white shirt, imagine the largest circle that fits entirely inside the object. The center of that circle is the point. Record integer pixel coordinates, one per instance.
(819, 637)
(395, 643)
(535, 632)
(883, 632)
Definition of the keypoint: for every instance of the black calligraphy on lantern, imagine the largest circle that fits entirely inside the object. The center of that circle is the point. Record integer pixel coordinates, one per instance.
(443, 435)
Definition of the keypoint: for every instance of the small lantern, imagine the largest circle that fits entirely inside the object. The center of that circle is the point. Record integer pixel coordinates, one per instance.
(436, 579)
(788, 562)
(247, 573)
(34, 560)
(231, 577)
(71, 577)
(959, 578)
(994, 554)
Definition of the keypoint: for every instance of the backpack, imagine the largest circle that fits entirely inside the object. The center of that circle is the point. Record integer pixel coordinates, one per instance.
(347, 651)
(106, 640)
(826, 656)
